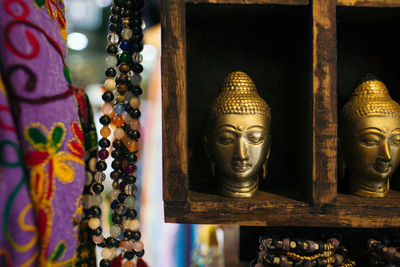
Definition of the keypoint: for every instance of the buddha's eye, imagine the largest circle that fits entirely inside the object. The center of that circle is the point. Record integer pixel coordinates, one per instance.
(256, 138)
(226, 138)
(370, 140)
(395, 140)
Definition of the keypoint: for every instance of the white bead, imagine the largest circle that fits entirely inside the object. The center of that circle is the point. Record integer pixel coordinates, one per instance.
(97, 200)
(137, 58)
(112, 38)
(130, 202)
(126, 223)
(126, 34)
(134, 225)
(134, 102)
(94, 223)
(108, 253)
(110, 84)
(114, 194)
(115, 231)
(111, 61)
(119, 133)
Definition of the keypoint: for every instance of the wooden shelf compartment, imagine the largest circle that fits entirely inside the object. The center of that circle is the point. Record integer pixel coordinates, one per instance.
(369, 3)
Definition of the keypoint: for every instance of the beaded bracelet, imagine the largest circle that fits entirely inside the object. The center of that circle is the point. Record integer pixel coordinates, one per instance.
(121, 108)
(382, 254)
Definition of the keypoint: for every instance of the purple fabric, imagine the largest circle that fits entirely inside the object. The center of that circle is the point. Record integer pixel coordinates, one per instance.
(47, 135)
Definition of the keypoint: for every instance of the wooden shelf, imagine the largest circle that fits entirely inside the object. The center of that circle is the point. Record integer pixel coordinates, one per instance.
(369, 3)
(268, 209)
(303, 56)
(244, 2)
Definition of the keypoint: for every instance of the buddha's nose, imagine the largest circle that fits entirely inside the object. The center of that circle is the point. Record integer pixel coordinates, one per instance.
(241, 149)
(384, 153)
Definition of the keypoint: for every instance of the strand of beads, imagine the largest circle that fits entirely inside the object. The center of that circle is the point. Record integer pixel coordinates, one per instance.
(288, 253)
(122, 109)
(381, 254)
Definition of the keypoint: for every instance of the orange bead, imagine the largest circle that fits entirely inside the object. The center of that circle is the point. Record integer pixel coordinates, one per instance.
(129, 264)
(105, 131)
(112, 114)
(118, 121)
(132, 146)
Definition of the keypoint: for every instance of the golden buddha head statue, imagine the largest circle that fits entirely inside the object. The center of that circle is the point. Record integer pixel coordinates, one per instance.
(238, 136)
(370, 138)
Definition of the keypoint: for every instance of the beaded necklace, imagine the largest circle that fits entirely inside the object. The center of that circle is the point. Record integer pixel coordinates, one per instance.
(121, 107)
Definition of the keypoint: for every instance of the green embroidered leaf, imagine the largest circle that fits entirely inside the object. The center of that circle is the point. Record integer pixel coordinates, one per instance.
(57, 137)
(58, 252)
(67, 75)
(37, 136)
(40, 3)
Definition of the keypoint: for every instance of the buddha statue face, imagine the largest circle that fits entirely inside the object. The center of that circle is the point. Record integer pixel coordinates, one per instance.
(371, 139)
(238, 138)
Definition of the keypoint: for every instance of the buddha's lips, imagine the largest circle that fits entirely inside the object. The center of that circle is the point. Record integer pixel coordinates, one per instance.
(382, 166)
(240, 166)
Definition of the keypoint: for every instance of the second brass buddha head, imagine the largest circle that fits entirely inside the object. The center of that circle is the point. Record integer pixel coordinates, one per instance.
(238, 136)
(370, 138)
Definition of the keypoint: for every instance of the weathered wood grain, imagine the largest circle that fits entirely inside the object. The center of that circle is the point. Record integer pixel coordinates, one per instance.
(369, 3)
(268, 209)
(324, 181)
(174, 123)
(280, 2)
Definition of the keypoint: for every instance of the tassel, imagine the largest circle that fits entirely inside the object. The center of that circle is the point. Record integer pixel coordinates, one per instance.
(141, 263)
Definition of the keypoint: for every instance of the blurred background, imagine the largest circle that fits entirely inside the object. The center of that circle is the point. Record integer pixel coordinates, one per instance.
(165, 244)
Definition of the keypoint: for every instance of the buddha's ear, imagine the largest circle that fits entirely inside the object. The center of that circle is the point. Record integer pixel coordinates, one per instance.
(264, 166)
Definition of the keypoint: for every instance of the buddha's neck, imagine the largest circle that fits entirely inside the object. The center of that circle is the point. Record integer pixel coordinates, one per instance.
(234, 188)
(359, 187)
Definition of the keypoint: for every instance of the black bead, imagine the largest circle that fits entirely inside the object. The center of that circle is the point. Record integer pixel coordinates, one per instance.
(116, 10)
(137, 47)
(139, 4)
(95, 211)
(131, 157)
(116, 164)
(116, 218)
(137, 37)
(116, 153)
(101, 165)
(128, 3)
(112, 242)
(320, 263)
(136, 14)
(108, 96)
(136, 29)
(131, 213)
(137, 91)
(136, 235)
(104, 143)
(97, 188)
(114, 18)
(114, 27)
(135, 135)
(140, 253)
(102, 244)
(137, 22)
(110, 72)
(115, 175)
(118, 144)
(105, 263)
(126, 13)
(128, 234)
(121, 197)
(135, 114)
(321, 247)
(105, 120)
(129, 255)
(112, 49)
(98, 231)
(130, 179)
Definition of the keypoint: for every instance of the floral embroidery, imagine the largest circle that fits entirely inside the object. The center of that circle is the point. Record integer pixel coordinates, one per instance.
(48, 162)
(55, 9)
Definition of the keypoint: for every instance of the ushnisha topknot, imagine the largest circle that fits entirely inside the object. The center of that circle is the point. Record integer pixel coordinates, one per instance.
(370, 99)
(239, 95)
